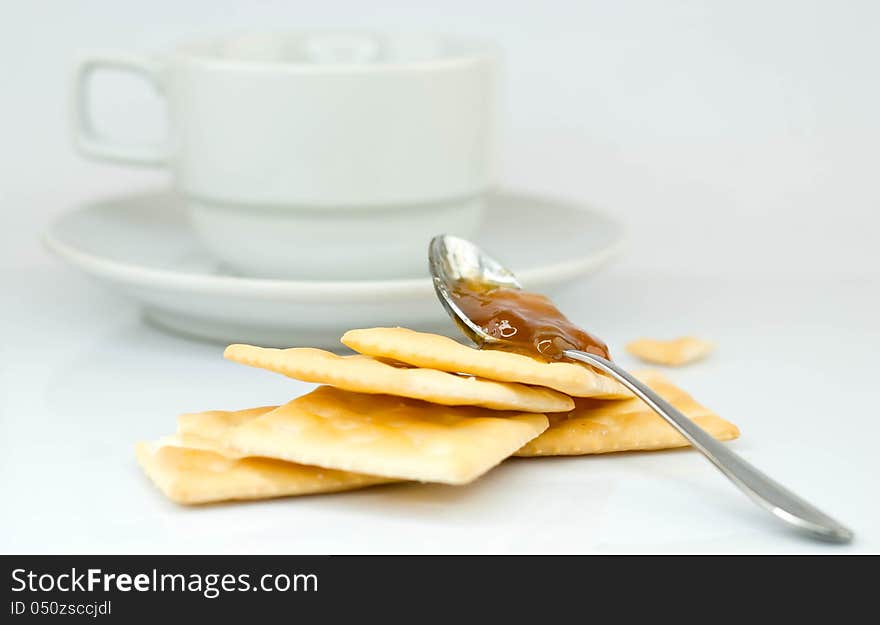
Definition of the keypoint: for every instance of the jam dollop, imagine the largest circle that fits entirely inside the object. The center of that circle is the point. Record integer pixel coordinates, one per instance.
(527, 323)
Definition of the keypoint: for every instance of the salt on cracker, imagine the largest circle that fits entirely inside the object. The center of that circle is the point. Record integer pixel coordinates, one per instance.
(197, 476)
(433, 351)
(368, 375)
(382, 435)
(596, 427)
(673, 353)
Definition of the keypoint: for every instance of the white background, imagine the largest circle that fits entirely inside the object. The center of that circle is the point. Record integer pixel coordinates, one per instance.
(737, 140)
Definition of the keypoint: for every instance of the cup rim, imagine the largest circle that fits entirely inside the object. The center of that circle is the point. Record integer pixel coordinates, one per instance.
(475, 51)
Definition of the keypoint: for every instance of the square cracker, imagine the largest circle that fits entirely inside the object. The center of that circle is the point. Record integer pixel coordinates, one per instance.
(596, 427)
(196, 475)
(382, 435)
(433, 351)
(368, 375)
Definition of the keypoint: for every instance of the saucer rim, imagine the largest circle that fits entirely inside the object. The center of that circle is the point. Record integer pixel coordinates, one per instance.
(348, 290)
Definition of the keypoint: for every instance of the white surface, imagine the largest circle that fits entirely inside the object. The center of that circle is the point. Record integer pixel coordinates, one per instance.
(91, 380)
(738, 140)
(142, 246)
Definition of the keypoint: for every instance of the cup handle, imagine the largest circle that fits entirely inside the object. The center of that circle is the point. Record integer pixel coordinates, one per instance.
(87, 141)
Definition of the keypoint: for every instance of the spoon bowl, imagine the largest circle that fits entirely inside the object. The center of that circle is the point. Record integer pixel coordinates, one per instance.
(453, 260)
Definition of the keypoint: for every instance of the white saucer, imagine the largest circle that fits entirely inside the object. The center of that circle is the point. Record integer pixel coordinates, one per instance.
(142, 245)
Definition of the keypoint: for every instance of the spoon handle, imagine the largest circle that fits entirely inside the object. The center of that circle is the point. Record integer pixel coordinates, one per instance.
(767, 493)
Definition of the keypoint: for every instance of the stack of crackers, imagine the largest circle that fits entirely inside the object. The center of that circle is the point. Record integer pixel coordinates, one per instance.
(409, 406)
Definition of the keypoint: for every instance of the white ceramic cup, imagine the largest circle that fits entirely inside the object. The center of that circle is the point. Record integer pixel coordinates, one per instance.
(318, 155)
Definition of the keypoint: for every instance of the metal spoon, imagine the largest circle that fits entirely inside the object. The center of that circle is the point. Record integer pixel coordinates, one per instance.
(452, 259)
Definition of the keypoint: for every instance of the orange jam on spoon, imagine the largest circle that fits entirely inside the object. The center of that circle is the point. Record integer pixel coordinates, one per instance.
(527, 323)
